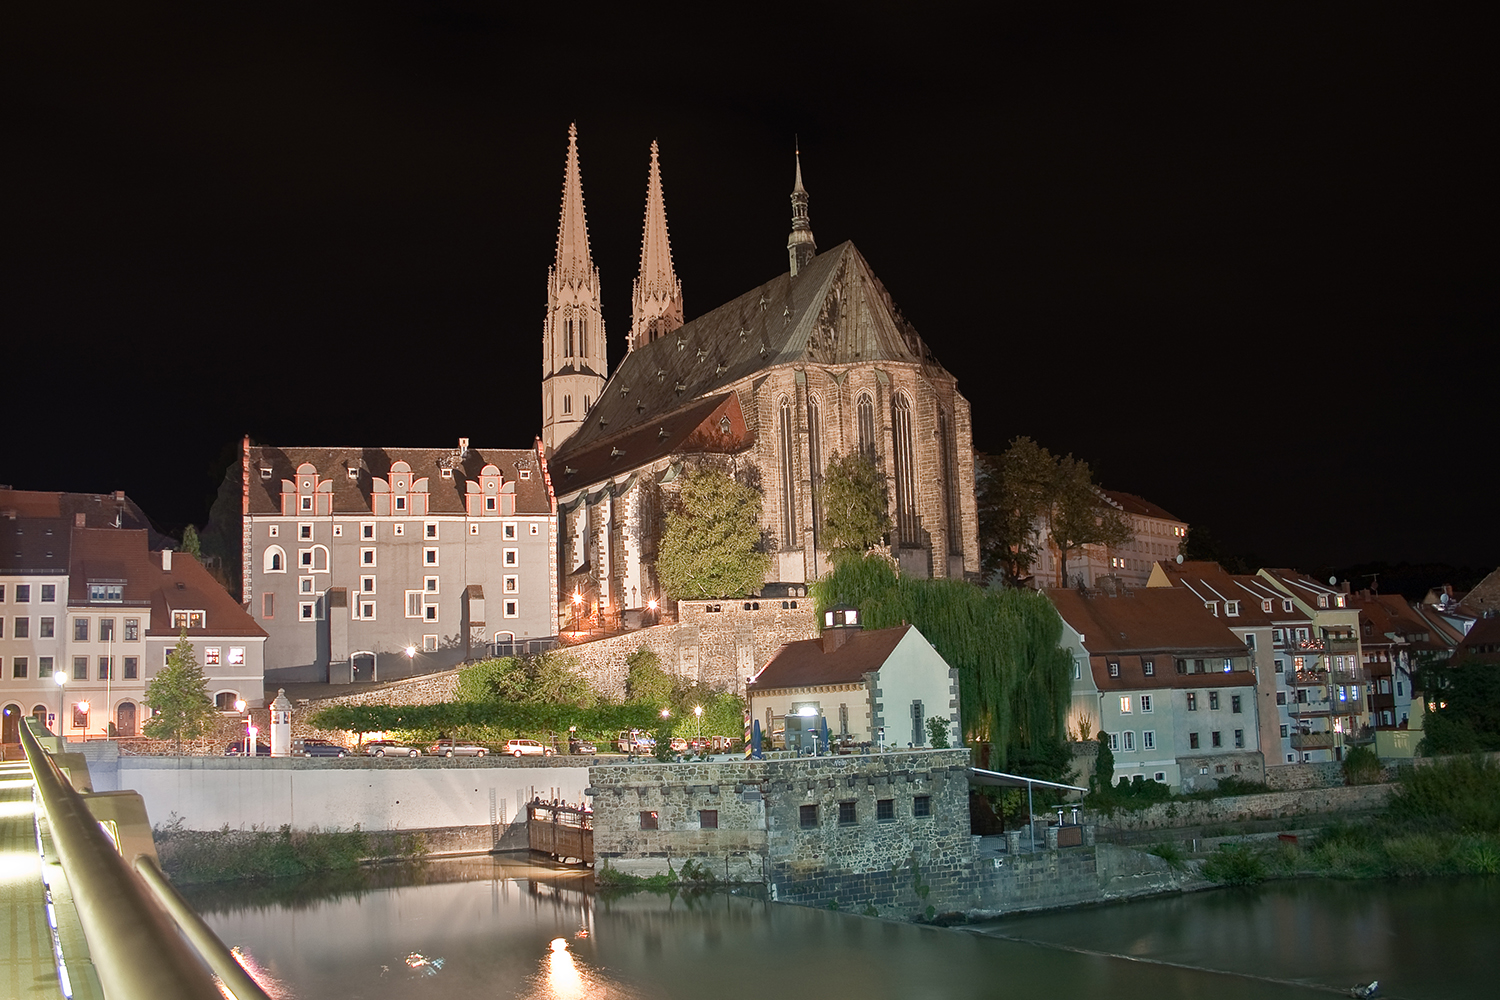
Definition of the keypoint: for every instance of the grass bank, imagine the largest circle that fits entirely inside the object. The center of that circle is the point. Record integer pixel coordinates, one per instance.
(1442, 820)
(195, 856)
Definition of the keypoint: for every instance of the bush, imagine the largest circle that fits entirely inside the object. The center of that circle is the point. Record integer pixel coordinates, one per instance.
(1361, 767)
(1462, 794)
(1170, 853)
(1235, 864)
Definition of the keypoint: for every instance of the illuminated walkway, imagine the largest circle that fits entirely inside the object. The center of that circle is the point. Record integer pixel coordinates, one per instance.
(27, 968)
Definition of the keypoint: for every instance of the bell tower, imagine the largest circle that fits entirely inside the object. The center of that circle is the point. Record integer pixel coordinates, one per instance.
(800, 245)
(574, 357)
(656, 302)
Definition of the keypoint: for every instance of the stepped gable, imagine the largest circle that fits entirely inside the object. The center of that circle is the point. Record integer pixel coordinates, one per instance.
(834, 313)
(352, 494)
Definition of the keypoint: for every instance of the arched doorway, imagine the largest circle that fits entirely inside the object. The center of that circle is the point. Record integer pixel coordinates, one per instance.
(362, 666)
(39, 713)
(125, 719)
(10, 731)
(224, 700)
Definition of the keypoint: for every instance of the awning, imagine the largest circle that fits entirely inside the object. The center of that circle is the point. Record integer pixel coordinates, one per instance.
(980, 776)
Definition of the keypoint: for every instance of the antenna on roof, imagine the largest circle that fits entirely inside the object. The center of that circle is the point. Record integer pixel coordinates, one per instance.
(1179, 558)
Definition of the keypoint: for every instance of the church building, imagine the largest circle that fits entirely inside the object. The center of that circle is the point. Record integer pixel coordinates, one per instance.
(769, 387)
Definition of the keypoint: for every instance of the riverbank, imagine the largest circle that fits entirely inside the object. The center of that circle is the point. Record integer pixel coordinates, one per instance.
(199, 856)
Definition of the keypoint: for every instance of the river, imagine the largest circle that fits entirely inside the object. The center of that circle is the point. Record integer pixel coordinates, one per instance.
(485, 927)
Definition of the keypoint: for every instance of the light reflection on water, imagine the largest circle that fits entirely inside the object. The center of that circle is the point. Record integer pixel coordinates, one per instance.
(488, 928)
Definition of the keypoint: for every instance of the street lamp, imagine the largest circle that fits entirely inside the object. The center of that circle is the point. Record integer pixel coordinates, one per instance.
(239, 706)
(61, 679)
(83, 707)
(698, 711)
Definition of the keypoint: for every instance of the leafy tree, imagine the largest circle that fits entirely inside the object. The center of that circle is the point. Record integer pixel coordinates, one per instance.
(647, 682)
(710, 545)
(855, 506)
(548, 679)
(937, 733)
(1011, 490)
(1077, 515)
(1104, 765)
(1463, 707)
(1015, 682)
(178, 696)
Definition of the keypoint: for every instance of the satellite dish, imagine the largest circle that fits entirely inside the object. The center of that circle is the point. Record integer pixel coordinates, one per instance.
(1333, 581)
(1179, 559)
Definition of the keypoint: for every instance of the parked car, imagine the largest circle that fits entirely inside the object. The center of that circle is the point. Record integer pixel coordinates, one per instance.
(635, 741)
(450, 748)
(307, 746)
(525, 748)
(575, 745)
(679, 744)
(237, 749)
(390, 748)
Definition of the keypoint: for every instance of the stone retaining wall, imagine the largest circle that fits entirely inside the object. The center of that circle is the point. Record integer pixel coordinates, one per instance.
(1239, 808)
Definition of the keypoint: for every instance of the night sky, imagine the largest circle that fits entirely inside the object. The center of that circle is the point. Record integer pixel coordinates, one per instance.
(1240, 261)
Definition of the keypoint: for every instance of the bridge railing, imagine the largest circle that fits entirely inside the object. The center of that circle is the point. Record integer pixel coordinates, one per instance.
(136, 925)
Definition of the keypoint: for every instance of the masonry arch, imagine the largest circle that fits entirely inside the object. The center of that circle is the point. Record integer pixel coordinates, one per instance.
(275, 559)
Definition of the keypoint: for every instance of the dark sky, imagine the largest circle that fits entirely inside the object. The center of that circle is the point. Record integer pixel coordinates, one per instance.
(1241, 261)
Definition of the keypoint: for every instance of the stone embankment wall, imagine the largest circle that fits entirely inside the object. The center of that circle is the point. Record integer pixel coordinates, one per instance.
(1240, 808)
(762, 832)
(716, 648)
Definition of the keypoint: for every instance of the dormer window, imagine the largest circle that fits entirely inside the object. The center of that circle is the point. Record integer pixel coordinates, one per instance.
(446, 473)
(265, 473)
(1213, 607)
(1286, 606)
(1231, 609)
(525, 473)
(108, 592)
(187, 619)
(353, 472)
(307, 503)
(401, 503)
(1322, 600)
(1265, 606)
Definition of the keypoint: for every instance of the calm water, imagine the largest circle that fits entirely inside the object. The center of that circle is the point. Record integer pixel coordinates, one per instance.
(484, 928)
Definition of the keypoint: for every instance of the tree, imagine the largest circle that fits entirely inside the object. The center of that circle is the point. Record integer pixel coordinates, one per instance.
(1012, 490)
(1077, 514)
(547, 679)
(1463, 707)
(1104, 765)
(937, 733)
(178, 696)
(647, 682)
(855, 507)
(190, 543)
(710, 547)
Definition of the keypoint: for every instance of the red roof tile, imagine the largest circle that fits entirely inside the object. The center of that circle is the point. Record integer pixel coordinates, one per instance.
(804, 664)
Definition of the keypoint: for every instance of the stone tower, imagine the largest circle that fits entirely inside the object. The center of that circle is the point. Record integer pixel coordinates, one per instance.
(800, 245)
(574, 357)
(656, 302)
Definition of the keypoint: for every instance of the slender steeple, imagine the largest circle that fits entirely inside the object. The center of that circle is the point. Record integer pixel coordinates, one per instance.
(800, 245)
(656, 303)
(574, 357)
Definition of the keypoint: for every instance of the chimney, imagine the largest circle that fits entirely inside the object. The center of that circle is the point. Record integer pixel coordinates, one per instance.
(463, 447)
(80, 520)
(166, 560)
(839, 624)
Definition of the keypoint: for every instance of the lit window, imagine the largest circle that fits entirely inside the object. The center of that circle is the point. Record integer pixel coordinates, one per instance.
(1125, 705)
(1114, 669)
(211, 656)
(511, 585)
(236, 656)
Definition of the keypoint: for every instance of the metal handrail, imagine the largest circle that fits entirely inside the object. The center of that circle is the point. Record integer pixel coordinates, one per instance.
(133, 941)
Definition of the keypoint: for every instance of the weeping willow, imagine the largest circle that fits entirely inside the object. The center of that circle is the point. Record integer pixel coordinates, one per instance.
(1014, 680)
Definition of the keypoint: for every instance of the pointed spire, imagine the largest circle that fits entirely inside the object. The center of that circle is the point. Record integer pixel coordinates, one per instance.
(657, 299)
(800, 245)
(574, 265)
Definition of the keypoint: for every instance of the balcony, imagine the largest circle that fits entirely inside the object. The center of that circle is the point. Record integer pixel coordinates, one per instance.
(1340, 644)
(1314, 741)
(1310, 678)
(1355, 676)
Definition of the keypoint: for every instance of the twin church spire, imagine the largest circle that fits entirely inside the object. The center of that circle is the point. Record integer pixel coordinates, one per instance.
(574, 353)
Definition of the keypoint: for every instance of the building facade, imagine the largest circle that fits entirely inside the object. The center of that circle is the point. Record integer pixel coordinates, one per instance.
(89, 603)
(768, 387)
(1169, 683)
(1157, 535)
(373, 563)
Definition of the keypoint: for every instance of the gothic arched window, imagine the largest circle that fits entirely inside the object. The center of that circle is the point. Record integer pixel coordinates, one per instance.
(815, 456)
(568, 341)
(906, 470)
(583, 337)
(866, 410)
(788, 478)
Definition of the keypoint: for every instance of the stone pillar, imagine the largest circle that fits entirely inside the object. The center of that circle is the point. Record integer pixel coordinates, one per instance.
(1052, 838)
(1013, 841)
(1088, 835)
(281, 725)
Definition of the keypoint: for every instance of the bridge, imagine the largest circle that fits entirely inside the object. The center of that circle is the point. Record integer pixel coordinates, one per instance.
(87, 912)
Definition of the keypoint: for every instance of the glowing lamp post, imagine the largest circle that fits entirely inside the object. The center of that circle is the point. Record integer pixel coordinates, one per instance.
(239, 706)
(698, 711)
(83, 707)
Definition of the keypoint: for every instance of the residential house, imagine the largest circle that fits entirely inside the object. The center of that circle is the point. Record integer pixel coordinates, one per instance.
(1169, 682)
(89, 602)
(1157, 536)
(1294, 720)
(880, 686)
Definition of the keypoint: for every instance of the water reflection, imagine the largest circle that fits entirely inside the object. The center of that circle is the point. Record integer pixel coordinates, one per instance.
(487, 928)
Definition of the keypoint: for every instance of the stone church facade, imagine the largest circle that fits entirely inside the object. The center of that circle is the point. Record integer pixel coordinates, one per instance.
(769, 387)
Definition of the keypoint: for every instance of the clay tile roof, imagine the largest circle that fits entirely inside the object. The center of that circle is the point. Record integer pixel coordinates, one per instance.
(1209, 582)
(803, 663)
(1162, 619)
(352, 494)
(1132, 504)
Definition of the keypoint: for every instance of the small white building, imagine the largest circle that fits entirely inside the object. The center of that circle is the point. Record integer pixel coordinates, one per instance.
(880, 686)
